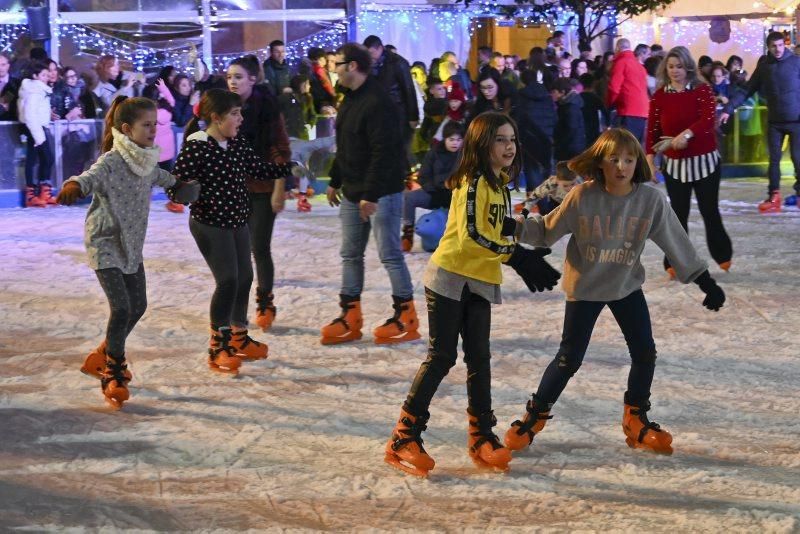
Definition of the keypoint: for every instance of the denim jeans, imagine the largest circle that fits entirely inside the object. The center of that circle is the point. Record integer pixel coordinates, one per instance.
(633, 318)
(635, 125)
(385, 225)
(775, 134)
(418, 198)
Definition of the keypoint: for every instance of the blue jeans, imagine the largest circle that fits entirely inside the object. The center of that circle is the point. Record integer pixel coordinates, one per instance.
(418, 198)
(633, 318)
(635, 125)
(775, 134)
(385, 225)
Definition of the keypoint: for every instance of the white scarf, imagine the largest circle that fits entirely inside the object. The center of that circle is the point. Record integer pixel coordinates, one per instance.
(140, 160)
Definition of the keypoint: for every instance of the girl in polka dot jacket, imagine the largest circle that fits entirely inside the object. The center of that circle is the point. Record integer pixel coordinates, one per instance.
(221, 161)
(116, 223)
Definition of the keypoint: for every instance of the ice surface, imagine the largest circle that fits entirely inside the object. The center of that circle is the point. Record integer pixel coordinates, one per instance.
(296, 442)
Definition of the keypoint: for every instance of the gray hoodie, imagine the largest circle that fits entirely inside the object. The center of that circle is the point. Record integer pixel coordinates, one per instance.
(608, 235)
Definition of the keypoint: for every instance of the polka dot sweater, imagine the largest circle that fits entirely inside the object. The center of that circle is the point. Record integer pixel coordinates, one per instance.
(222, 173)
(671, 113)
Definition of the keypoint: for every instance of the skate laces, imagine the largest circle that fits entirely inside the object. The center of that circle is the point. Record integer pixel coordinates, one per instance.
(641, 413)
(413, 430)
(115, 370)
(265, 303)
(484, 424)
(535, 414)
(346, 307)
(222, 338)
(395, 319)
(245, 339)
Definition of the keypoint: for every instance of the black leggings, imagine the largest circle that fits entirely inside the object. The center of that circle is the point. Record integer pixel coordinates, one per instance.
(633, 318)
(261, 223)
(707, 192)
(227, 253)
(127, 299)
(42, 155)
(471, 318)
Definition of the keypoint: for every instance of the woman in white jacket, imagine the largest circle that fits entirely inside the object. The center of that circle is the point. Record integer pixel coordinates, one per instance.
(34, 113)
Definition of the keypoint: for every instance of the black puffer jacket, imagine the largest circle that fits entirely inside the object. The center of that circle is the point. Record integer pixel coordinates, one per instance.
(570, 134)
(394, 74)
(439, 164)
(778, 81)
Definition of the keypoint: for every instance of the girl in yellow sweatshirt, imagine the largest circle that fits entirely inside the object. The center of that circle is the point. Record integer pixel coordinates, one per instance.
(461, 282)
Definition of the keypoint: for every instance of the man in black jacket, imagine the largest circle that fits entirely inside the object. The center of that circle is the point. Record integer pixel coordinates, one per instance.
(277, 73)
(777, 79)
(367, 182)
(394, 74)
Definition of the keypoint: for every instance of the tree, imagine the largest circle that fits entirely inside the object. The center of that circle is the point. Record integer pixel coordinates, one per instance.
(589, 15)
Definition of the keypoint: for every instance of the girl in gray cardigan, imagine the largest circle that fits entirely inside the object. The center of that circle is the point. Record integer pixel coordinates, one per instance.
(116, 223)
(610, 218)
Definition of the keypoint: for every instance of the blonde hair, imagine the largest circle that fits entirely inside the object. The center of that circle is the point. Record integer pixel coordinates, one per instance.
(613, 141)
(682, 54)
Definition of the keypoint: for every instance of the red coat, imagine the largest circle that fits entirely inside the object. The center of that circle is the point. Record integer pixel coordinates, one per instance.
(627, 86)
(672, 113)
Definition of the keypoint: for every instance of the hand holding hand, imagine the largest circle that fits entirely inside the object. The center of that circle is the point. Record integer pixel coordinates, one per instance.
(723, 118)
(509, 226)
(715, 297)
(187, 192)
(70, 192)
(531, 266)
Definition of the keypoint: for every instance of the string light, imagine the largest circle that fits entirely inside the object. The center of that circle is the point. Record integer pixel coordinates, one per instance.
(328, 39)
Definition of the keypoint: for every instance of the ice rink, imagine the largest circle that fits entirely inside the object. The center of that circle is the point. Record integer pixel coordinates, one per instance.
(296, 441)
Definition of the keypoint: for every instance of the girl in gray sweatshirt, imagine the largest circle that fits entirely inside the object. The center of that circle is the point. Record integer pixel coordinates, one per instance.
(610, 217)
(120, 183)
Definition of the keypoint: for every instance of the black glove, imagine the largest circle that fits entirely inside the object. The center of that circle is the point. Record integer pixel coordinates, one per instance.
(537, 274)
(509, 226)
(715, 296)
(186, 192)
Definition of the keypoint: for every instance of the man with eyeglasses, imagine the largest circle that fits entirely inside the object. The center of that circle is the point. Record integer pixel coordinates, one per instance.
(367, 182)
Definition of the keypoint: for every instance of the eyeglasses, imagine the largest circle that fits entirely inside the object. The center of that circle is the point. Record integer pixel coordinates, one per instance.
(337, 63)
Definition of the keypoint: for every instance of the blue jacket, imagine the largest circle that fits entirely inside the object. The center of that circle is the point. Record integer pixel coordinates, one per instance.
(778, 81)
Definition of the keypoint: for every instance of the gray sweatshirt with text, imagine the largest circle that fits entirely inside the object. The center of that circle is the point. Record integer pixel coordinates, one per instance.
(608, 235)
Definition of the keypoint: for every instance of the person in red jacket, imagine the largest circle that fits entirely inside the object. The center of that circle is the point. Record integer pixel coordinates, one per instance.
(627, 90)
(681, 125)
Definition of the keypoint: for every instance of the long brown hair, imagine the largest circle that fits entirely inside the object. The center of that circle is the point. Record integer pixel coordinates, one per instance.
(124, 110)
(219, 101)
(476, 153)
(588, 163)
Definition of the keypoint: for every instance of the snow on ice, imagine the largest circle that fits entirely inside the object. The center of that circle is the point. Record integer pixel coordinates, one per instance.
(296, 442)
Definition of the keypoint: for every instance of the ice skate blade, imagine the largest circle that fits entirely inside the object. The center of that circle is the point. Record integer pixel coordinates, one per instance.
(350, 336)
(114, 403)
(484, 466)
(402, 338)
(633, 444)
(222, 370)
(395, 462)
(246, 358)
